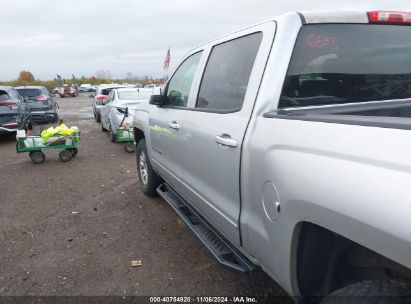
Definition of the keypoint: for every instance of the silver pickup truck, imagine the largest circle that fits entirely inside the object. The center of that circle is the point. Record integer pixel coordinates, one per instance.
(287, 146)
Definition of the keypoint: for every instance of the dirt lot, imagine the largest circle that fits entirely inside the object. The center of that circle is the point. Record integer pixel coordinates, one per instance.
(74, 228)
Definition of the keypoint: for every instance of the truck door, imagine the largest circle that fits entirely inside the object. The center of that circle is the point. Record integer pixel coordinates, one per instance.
(165, 121)
(213, 129)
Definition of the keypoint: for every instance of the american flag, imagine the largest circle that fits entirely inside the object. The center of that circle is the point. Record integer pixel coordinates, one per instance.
(59, 80)
(167, 60)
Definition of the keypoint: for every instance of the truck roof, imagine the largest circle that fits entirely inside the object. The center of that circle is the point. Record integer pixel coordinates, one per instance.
(334, 17)
(308, 17)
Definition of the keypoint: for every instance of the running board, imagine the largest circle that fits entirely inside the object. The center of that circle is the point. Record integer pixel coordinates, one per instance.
(221, 249)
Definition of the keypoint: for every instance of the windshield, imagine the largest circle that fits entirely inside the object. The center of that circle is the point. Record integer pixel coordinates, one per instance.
(29, 92)
(4, 96)
(106, 91)
(135, 95)
(345, 63)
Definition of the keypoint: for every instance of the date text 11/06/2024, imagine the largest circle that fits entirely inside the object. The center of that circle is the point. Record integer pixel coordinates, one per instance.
(203, 300)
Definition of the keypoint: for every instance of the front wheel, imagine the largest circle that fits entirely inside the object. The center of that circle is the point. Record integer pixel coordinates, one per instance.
(149, 180)
(37, 157)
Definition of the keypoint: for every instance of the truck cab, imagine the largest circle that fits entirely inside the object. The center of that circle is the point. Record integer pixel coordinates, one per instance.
(288, 140)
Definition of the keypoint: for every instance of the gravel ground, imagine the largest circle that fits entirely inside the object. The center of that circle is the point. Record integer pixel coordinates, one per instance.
(74, 228)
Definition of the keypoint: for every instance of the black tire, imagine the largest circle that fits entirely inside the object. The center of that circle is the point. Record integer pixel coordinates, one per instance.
(98, 118)
(150, 180)
(55, 119)
(129, 147)
(382, 291)
(74, 151)
(113, 137)
(37, 157)
(102, 128)
(65, 155)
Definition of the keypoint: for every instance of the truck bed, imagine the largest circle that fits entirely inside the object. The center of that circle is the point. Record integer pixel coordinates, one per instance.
(383, 114)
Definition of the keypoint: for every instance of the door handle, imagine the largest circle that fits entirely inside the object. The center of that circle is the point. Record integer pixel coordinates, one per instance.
(226, 140)
(173, 125)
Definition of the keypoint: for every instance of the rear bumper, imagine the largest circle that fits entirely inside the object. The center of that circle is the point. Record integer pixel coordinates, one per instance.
(7, 130)
(48, 116)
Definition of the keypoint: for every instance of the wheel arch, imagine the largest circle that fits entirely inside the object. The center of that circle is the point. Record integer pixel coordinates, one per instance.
(324, 261)
(138, 135)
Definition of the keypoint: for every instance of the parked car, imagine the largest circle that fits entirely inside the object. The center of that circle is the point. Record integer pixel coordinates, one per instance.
(85, 87)
(118, 103)
(152, 86)
(14, 113)
(68, 90)
(55, 91)
(43, 108)
(100, 96)
(287, 146)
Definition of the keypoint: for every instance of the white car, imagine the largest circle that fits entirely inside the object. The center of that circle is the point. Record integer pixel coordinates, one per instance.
(119, 102)
(152, 86)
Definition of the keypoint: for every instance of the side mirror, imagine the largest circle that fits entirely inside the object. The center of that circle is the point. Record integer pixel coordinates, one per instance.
(158, 98)
(26, 98)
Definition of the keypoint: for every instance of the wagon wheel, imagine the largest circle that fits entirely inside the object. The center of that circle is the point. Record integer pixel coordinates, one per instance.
(65, 155)
(74, 151)
(129, 147)
(37, 157)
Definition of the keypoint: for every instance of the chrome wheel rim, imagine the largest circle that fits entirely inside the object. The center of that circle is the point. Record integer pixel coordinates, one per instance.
(143, 168)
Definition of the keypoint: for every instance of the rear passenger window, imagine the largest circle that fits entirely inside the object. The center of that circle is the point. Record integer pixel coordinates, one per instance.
(227, 73)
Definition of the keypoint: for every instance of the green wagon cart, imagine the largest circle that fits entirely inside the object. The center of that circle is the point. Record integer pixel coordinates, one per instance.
(35, 145)
(125, 135)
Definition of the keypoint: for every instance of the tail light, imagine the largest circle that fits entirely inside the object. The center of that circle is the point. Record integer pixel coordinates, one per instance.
(42, 98)
(11, 124)
(389, 17)
(11, 105)
(101, 97)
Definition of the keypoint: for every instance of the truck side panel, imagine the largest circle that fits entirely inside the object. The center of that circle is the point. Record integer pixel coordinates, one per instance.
(330, 177)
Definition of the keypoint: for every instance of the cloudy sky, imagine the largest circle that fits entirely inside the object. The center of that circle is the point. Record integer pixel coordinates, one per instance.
(81, 37)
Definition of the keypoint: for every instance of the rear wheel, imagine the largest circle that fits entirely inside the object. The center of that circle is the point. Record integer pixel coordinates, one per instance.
(37, 157)
(74, 151)
(382, 291)
(102, 128)
(112, 134)
(149, 180)
(65, 155)
(129, 147)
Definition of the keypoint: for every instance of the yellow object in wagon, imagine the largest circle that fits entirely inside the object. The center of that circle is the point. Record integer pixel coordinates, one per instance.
(59, 130)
